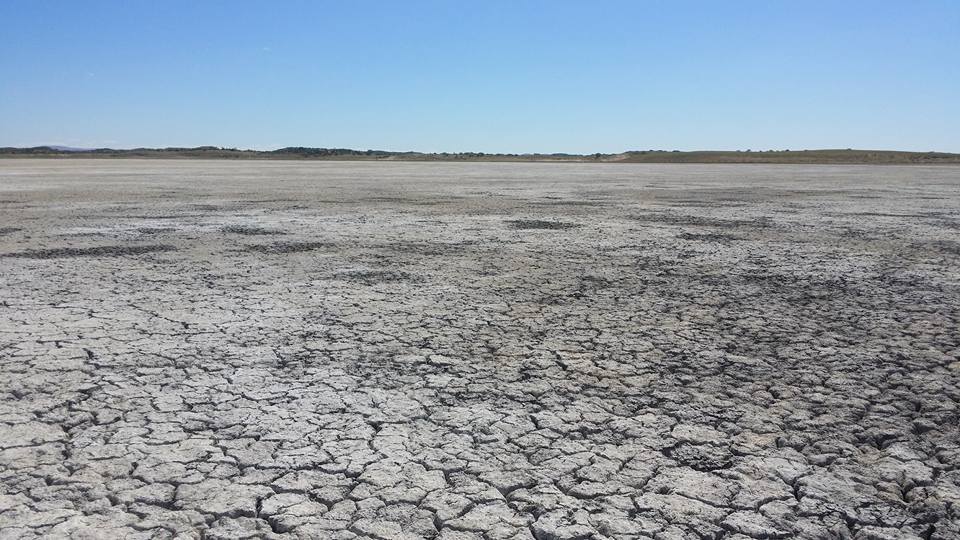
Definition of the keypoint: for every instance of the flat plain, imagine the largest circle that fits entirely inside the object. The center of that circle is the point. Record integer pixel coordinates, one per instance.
(217, 349)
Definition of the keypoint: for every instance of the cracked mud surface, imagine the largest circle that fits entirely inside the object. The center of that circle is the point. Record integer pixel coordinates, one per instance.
(478, 351)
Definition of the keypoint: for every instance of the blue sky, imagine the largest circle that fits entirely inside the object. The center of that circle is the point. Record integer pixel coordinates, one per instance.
(491, 76)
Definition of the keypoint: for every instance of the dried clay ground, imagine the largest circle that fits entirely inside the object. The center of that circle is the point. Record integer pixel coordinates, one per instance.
(212, 349)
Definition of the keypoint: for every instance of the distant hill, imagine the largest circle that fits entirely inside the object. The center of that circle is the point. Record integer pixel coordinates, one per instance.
(640, 156)
(69, 148)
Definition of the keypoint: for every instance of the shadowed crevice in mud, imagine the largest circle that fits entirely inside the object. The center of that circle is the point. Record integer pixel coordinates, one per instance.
(286, 247)
(99, 251)
(248, 230)
(533, 224)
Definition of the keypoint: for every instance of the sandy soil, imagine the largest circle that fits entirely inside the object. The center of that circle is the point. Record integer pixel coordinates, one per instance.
(345, 350)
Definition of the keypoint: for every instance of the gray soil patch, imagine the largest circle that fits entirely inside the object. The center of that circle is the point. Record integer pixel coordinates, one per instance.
(948, 223)
(287, 247)
(702, 458)
(8, 230)
(709, 237)
(248, 230)
(701, 221)
(430, 249)
(99, 251)
(571, 203)
(530, 224)
(371, 277)
(945, 246)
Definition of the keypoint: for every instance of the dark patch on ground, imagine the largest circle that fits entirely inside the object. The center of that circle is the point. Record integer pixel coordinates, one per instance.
(434, 202)
(706, 204)
(121, 208)
(702, 221)
(286, 247)
(155, 230)
(98, 251)
(85, 234)
(887, 214)
(858, 234)
(162, 216)
(8, 230)
(528, 224)
(709, 237)
(384, 199)
(561, 202)
(430, 248)
(945, 246)
(372, 277)
(949, 223)
(702, 458)
(589, 284)
(259, 201)
(248, 230)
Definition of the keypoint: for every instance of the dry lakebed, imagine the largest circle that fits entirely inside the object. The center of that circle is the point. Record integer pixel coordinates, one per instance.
(466, 351)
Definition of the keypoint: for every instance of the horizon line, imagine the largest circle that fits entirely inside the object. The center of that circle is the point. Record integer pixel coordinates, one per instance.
(291, 149)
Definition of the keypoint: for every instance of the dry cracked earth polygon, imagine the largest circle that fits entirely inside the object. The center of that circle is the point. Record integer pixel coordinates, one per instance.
(478, 351)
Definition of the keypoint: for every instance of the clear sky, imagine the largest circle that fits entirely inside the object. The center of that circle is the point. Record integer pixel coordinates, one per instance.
(489, 76)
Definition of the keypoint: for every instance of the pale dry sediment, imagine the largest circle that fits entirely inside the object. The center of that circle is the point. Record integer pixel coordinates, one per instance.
(460, 351)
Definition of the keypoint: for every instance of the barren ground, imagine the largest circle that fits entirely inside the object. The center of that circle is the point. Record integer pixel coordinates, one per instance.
(464, 351)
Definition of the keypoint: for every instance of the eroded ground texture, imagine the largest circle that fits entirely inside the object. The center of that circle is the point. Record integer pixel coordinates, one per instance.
(465, 351)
